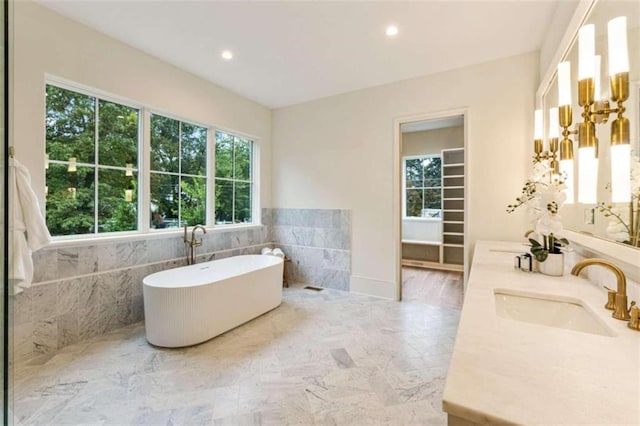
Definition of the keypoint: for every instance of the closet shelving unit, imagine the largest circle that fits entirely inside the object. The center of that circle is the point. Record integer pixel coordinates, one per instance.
(453, 193)
(449, 254)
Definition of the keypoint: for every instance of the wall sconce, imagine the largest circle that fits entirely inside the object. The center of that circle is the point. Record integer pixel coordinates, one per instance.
(597, 111)
(553, 142)
(541, 154)
(564, 120)
(620, 139)
(587, 145)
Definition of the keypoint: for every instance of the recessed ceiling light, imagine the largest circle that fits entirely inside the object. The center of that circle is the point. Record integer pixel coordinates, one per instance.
(391, 30)
(227, 55)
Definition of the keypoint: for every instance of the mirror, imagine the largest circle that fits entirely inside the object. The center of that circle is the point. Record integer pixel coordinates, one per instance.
(588, 218)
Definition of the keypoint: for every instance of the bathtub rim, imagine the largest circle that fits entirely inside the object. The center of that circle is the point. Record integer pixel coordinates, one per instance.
(274, 261)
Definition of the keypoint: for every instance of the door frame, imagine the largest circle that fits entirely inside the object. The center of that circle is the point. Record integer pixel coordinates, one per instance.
(397, 187)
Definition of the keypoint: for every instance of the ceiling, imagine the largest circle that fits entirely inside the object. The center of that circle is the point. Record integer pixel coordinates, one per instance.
(290, 52)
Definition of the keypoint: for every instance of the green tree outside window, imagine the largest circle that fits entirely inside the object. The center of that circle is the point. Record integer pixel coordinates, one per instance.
(234, 179)
(178, 173)
(423, 184)
(83, 157)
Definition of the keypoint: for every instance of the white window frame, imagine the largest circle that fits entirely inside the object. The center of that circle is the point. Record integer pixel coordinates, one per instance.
(144, 164)
(206, 177)
(404, 186)
(138, 168)
(252, 181)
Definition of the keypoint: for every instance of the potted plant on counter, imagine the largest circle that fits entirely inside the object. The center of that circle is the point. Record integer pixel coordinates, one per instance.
(543, 195)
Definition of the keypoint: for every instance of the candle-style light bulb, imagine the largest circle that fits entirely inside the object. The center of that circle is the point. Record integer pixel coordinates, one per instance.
(587, 175)
(564, 83)
(621, 173)
(618, 50)
(72, 167)
(537, 125)
(586, 52)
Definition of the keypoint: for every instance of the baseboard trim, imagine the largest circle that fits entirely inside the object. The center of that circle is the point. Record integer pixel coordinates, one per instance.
(371, 287)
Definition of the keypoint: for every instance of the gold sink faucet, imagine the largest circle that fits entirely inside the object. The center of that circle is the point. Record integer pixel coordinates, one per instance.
(620, 309)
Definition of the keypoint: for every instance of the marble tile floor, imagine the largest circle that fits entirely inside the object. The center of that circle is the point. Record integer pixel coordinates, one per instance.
(327, 357)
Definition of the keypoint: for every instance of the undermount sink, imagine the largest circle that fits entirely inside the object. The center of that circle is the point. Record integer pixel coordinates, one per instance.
(548, 310)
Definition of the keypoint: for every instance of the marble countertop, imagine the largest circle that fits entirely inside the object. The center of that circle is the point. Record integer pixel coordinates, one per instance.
(508, 371)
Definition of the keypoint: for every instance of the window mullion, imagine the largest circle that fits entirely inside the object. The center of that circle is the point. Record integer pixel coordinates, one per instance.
(210, 202)
(96, 159)
(144, 165)
(404, 188)
(179, 173)
(233, 181)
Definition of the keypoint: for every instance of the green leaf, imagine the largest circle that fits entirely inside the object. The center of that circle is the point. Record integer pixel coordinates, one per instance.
(540, 255)
(534, 243)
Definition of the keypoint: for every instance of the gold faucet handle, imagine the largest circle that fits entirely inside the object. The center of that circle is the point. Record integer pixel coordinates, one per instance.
(634, 313)
(611, 298)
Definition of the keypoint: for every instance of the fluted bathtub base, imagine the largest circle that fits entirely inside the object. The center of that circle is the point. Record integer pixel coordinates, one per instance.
(209, 298)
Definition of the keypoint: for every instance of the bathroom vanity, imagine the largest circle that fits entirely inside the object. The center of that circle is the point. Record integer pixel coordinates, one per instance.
(534, 349)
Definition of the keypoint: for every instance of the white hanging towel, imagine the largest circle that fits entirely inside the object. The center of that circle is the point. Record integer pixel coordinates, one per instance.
(27, 227)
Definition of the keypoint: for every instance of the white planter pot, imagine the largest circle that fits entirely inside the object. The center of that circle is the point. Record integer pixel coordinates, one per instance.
(553, 265)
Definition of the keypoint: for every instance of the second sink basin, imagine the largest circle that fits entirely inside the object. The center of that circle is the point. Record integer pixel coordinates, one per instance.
(549, 310)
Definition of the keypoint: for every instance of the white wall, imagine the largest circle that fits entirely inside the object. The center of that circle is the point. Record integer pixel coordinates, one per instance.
(430, 142)
(48, 43)
(556, 31)
(337, 152)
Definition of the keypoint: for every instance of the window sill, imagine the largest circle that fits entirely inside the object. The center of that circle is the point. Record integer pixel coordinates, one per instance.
(422, 219)
(152, 234)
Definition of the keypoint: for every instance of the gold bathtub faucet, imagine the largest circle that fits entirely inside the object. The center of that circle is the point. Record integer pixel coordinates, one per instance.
(619, 302)
(193, 243)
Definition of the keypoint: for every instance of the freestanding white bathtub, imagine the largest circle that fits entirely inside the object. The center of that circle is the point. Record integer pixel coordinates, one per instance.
(191, 304)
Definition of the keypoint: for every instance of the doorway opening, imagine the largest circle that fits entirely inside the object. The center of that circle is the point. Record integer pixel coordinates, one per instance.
(432, 209)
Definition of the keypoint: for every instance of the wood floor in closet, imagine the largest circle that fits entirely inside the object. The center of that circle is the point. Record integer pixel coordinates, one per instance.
(433, 287)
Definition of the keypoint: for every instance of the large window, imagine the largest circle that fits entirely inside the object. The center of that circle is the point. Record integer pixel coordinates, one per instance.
(234, 180)
(92, 167)
(423, 186)
(178, 173)
(94, 184)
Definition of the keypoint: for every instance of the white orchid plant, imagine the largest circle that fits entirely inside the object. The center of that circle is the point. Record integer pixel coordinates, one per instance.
(621, 228)
(543, 194)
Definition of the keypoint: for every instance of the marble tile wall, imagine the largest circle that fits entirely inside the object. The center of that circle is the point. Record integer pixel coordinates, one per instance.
(80, 292)
(84, 291)
(318, 242)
